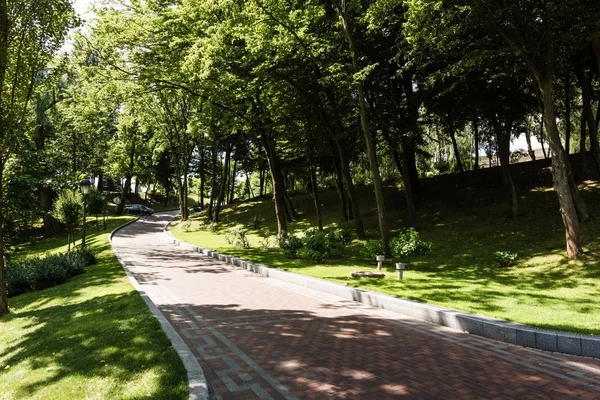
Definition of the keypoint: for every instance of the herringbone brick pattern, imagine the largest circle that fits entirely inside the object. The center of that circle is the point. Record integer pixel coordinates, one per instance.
(258, 338)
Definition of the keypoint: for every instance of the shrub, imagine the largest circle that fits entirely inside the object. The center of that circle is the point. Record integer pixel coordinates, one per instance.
(256, 221)
(317, 246)
(186, 225)
(408, 244)
(68, 209)
(290, 245)
(238, 238)
(339, 238)
(266, 240)
(39, 273)
(213, 226)
(371, 249)
(505, 259)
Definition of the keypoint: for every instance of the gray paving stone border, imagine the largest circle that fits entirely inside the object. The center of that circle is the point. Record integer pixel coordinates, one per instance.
(504, 331)
(196, 380)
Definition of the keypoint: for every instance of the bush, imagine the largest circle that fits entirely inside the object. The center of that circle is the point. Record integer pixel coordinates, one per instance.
(213, 226)
(505, 259)
(371, 249)
(39, 273)
(408, 244)
(256, 221)
(266, 240)
(238, 238)
(186, 225)
(290, 245)
(317, 246)
(339, 238)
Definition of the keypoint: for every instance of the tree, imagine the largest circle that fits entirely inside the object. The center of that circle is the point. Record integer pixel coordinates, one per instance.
(68, 209)
(30, 33)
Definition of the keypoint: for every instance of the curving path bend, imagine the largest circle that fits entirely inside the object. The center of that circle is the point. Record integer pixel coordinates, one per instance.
(259, 338)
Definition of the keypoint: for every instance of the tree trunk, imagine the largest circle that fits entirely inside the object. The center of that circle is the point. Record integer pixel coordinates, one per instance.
(528, 140)
(560, 171)
(261, 180)
(249, 183)
(51, 224)
(408, 192)
(124, 194)
(456, 151)
(586, 98)
(224, 183)
(503, 138)
(278, 185)
(202, 178)
(582, 149)
(213, 184)
(339, 183)
(369, 142)
(542, 136)
(232, 193)
(3, 288)
(315, 196)
(568, 113)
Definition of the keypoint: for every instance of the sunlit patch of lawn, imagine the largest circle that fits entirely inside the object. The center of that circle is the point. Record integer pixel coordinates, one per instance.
(92, 337)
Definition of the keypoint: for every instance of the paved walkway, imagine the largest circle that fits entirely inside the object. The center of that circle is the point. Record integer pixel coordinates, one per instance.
(259, 338)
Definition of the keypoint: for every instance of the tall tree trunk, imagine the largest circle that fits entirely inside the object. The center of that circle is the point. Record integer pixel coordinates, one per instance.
(456, 151)
(278, 185)
(3, 287)
(315, 195)
(528, 140)
(408, 191)
(51, 224)
(128, 176)
(213, 184)
(369, 142)
(249, 184)
(261, 179)
(586, 98)
(542, 136)
(582, 149)
(339, 182)
(476, 134)
(568, 113)
(560, 171)
(503, 138)
(202, 177)
(224, 183)
(232, 193)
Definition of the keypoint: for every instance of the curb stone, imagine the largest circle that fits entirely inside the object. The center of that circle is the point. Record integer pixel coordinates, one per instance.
(196, 380)
(504, 331)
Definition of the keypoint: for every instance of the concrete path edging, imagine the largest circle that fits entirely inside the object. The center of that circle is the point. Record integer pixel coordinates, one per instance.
(196, 380)
(504, 331)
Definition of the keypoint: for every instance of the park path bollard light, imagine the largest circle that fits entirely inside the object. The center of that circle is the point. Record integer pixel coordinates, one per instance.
(380, 260)
(400, 267)
(84, 185)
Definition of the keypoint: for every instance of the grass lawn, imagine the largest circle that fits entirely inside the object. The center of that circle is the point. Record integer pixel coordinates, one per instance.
(545, 289)
(90, 338)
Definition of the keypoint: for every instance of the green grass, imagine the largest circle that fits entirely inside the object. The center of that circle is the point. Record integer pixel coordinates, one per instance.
(92, 337)
(545, 289)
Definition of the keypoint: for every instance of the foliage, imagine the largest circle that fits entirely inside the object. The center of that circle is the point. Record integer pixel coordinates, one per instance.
(95, 202)
(68, 208)
(339, 238)
(505, 259)
(238, 238)
(317, 245)
(290, 244)
(256, 221)
(213, 226)
(371, 249)
(266, 238)
(39, 273)
(408, 244)
(186, 225)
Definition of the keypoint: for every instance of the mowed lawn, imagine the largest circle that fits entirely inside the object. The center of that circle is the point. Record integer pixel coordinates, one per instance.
(90, 338)
(545, 289)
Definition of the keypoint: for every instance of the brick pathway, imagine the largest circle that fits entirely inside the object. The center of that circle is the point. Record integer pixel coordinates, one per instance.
(259, 338)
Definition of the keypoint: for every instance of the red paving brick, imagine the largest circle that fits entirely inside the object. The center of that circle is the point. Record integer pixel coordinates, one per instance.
(259, 338)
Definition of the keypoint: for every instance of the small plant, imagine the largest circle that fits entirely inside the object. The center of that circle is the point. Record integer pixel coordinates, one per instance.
(266, 239)
(371, 249)
(290, 245)
(229, 237)
(213, 226)
(505, 259)
(238, 238)
(68, 210)
(317, 245)
(408, 244)
(186, 225)
(256, 221)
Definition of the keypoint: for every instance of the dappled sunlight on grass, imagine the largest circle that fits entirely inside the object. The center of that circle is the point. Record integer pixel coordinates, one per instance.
(544, 289)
